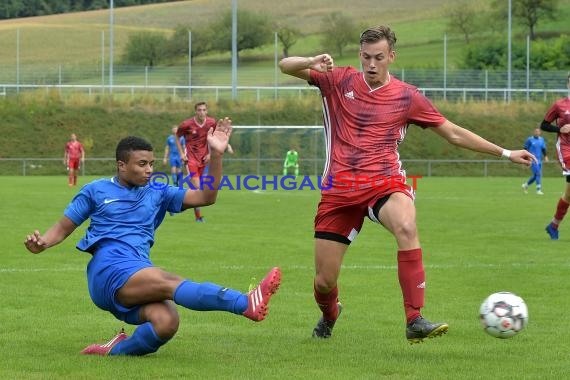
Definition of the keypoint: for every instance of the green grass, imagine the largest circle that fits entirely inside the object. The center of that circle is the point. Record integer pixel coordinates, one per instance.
(480, 235)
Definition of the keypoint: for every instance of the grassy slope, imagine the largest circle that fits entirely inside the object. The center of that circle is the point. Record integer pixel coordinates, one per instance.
(76, 37)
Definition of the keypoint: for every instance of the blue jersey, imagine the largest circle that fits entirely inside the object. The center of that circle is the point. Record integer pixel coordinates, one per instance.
(537, 146)
(118, 213)
(172, 148)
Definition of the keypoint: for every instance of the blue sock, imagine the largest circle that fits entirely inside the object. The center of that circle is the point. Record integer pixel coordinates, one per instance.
(207, 296)
(143, 341)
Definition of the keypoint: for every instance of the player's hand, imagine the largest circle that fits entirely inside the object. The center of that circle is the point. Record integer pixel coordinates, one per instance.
(322, 63)
(565, 128)
(183, 158)
(219, 138)
(206, 158)
(35, 242)
(522, 157)
(164, 161)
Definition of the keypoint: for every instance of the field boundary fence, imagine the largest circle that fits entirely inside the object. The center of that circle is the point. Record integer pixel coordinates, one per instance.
(266, 83)
(267, 166)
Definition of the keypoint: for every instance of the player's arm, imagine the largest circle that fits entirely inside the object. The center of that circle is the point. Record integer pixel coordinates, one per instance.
(82, 154)
(166, 153)
(300, 67)
(218, 141)
(464, 138)
(37, 242)
(547, 127)
(65, 156)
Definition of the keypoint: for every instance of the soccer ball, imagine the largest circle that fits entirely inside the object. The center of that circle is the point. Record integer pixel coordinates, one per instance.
(503, 315)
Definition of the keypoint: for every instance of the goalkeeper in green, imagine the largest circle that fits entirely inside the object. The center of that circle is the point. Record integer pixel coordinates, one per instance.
(291, 160)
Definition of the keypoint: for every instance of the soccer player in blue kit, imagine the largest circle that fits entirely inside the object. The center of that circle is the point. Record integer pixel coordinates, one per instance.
(172, 156)
(125, 211)
(536, 145)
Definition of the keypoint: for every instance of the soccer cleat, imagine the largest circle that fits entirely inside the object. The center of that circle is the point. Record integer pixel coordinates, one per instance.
(539, 192)
(258, 298)
(420, 328)
(200, 220)
(104, 349)
(553, 232)
(324, 328)
(525, 187)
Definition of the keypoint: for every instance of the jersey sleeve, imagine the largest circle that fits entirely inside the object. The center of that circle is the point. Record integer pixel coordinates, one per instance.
(552, 113)
(81, 206)
(172, 198)
(423, 113)
(526, 144)
(327, 81)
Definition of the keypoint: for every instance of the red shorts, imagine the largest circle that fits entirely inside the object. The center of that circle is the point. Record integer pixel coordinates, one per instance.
(73, 163)
(195, 170)
(343, 213)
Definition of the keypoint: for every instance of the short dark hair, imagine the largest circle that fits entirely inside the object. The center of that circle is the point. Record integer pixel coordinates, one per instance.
(130, 144)
(378, 33)
(199, 104)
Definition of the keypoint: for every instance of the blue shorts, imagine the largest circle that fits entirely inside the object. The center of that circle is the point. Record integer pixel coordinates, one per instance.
(109, 269)
(175, 162)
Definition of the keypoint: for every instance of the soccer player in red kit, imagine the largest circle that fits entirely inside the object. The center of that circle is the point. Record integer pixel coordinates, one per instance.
(73, 156)
(196, 154)
(559, 112)
(366, 116)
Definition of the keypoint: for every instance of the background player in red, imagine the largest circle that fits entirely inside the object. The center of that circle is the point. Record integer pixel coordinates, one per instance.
(196, 154)
(366, 116)
(73, 156)
(559, 112)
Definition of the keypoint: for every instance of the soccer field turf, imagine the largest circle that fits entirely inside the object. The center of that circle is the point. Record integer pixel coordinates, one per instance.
(479, 236)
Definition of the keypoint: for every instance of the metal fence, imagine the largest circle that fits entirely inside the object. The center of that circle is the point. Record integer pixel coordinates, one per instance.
(263, 166)
(266, 82)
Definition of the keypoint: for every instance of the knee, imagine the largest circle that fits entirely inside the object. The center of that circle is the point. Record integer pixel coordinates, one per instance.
(325, 282)
(406, 231)
(166, 324)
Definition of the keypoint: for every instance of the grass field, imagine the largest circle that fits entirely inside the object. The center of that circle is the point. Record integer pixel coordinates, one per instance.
(480, 235)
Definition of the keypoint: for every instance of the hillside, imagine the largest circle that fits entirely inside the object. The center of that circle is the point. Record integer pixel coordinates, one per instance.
(75, 38)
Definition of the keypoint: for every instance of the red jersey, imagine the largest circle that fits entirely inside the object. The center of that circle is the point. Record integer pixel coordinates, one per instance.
(560, 112)
(74, 149)
(196, 137)
(364, 127)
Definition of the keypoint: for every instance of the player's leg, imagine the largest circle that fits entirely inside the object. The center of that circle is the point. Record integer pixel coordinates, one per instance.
(152, 284)
(296, 170)
(538, 178)
(397, 213)
(285, 169)
(328, 260)
(158, 323)
(561, 210)
(196, 173)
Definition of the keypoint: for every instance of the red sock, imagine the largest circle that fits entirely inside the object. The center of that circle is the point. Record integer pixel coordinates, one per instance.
(328, 303)
(74, 180)
(561, 209)
(70, 179)
(197, 213)
(412, 281)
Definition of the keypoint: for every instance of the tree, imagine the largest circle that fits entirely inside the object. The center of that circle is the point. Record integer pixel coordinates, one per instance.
(529, 12)
(338, 31)
(253, 30)
(145, 48)
(288, 37)
(462, 18)
(177, 45)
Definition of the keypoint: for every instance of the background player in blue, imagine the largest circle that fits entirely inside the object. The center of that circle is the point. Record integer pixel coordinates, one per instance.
(172, 156)
(536, 145)
(125, 211)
